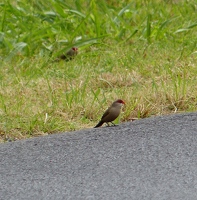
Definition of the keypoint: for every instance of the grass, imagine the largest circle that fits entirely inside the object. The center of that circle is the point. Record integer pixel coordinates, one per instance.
(144, 52)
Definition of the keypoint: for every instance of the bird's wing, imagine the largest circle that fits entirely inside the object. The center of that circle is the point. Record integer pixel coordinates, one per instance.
(105, 113)
(62, 57)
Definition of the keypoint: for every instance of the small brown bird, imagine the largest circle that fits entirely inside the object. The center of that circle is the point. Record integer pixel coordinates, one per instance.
(69, 55)
(111, 113)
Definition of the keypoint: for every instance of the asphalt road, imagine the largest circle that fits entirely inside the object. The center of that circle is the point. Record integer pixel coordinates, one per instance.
(152, 159)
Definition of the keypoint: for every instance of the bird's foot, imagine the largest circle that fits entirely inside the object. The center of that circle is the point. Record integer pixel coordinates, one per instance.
(113, 124)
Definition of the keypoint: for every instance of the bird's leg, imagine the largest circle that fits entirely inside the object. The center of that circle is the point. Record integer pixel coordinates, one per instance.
(113, 124)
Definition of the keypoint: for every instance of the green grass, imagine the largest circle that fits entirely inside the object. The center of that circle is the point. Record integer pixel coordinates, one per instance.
(144, 52)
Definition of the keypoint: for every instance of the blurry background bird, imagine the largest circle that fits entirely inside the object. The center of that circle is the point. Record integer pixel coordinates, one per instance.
(69, 55)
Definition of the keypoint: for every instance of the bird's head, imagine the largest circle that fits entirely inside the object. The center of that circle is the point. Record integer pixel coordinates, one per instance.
(74, 48)
(120, 101)
(74, 51)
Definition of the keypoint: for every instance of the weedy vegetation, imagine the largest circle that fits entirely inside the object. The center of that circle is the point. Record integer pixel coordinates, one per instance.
(144, 52)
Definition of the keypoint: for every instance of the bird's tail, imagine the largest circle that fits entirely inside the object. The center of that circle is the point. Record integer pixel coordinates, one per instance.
(99, 124)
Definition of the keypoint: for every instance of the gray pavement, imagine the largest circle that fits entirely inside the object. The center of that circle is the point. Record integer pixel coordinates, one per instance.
(152, 159)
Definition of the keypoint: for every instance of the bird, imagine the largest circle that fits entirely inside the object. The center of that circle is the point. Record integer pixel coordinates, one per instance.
(69, 55)
(111, 113)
